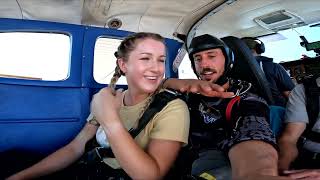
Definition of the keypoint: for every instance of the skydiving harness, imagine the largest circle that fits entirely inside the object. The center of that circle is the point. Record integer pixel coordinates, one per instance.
(244, 87)
(160, 100)
(239, 88)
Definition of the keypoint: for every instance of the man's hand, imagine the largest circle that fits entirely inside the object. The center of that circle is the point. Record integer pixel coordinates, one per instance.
(197, 86)
(264, 177)
(305, 174)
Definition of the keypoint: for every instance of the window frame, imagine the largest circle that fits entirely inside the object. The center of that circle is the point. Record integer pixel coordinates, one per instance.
(75, 32)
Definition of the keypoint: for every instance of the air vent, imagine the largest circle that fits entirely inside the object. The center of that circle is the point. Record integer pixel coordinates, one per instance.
(279, 20)
(114, 23)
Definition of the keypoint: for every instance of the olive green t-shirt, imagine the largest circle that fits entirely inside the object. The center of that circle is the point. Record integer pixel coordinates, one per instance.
(171, 123)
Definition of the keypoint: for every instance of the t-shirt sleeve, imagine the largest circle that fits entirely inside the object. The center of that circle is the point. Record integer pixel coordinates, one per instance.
(284, 82)
(296, 106)
(172, 123)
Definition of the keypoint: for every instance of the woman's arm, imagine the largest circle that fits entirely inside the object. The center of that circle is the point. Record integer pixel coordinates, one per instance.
(154, 161)
(59, 159)
(138, 164)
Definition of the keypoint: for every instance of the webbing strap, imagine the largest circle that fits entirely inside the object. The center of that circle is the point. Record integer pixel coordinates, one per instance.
(230, 106)
(159, 102)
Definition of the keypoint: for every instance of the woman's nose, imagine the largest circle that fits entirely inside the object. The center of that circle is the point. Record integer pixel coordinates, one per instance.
(154, 65)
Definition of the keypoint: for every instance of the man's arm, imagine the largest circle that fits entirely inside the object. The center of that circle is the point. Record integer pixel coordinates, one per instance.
(197, 86)
(286, 94)
(288, 144)
(284, 82)
(304, 174)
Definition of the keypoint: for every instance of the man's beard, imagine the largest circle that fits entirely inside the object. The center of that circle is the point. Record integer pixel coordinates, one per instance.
(204, 75)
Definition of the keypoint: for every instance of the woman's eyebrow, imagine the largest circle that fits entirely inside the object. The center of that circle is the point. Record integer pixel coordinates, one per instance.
(146, 53)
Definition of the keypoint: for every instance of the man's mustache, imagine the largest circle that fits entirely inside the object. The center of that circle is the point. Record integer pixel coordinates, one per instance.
(205, 70)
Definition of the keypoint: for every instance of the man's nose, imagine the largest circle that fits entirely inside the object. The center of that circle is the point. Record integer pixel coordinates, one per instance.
(204, 62)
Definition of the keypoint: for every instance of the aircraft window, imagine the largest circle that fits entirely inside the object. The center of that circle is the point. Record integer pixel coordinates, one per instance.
(34, 56)
(285, 46)
(185, 70)
(105, 61)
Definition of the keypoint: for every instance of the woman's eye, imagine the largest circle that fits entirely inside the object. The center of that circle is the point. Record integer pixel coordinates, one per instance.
(162, 60)
(144, 58)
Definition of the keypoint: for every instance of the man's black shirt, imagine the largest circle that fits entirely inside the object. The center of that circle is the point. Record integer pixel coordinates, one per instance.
(249, 119)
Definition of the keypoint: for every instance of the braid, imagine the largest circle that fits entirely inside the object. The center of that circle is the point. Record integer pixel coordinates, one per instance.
(117, 74)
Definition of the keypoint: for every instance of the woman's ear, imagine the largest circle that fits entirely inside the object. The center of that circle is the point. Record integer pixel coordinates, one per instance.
(122, 65)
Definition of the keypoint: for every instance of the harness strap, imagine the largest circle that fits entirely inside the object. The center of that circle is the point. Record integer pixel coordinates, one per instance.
(230, 106)
(159, 102)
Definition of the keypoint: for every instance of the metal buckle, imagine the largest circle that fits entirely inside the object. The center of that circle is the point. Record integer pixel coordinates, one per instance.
(97, 152)
(171, 91)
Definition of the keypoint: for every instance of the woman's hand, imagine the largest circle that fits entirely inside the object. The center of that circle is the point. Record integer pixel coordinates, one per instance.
(205, 88)
(105, 106)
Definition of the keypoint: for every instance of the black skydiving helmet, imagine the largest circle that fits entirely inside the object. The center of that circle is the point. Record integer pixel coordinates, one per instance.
(205, 42)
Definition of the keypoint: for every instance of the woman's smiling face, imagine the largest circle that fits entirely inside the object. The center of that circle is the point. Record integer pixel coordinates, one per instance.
(145, 66)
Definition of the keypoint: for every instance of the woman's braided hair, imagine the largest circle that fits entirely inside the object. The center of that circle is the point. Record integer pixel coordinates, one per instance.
(124, 49)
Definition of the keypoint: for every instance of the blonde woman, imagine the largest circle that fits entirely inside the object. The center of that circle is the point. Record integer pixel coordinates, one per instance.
(141, 59)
